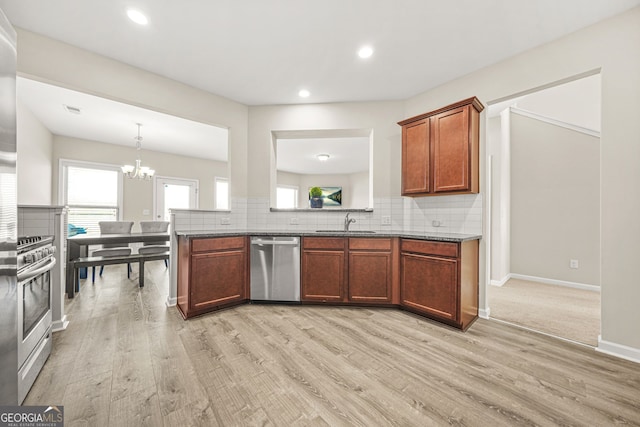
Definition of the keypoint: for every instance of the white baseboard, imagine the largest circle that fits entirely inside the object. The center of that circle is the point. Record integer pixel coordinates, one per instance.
(170, 302)
(500, 282)
(564, 283)
(484, 313)
(60, 325)
(618, 350)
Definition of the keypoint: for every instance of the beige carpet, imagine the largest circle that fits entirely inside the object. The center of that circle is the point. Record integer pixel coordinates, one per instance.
(557, 310)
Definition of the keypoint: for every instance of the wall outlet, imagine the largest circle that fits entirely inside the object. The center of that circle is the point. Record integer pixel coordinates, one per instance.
(225, 221)
(573, 263)
(436, 223)
(146, 212)
(386, 220)
(293, 221)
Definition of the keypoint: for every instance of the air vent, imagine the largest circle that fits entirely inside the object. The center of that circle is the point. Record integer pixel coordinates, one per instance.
(71, 109)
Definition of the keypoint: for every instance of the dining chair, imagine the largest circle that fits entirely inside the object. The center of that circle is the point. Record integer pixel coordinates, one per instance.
(154, 248)
(114, 249)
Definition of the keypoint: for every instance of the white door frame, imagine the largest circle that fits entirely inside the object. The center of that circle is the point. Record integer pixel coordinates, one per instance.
(161, 180)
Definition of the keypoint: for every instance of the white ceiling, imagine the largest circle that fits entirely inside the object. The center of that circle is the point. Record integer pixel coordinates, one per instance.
(263, 51)
(115, 123)
(347, 155)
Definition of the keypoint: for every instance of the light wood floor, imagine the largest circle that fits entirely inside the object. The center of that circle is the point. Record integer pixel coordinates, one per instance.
(561, 311)
(126, 359)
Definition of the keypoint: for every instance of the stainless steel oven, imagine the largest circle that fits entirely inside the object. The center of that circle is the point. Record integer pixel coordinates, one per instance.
(35, 261)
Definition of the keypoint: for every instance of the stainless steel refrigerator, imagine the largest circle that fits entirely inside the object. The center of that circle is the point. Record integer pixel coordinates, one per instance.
(8, 217)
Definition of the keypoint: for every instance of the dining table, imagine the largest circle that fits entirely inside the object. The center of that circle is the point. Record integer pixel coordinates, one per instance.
(77, 247)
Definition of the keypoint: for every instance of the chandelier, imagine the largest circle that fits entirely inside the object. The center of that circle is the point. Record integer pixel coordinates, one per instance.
(138, 171)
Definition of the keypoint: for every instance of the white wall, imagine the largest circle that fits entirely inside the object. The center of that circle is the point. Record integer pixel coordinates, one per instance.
(35, 158)
(611, 46)
(48, 60)
(382, 117)
(359, 190)
(577, 102)
(138, 195)
(498, 146)
(555, 202)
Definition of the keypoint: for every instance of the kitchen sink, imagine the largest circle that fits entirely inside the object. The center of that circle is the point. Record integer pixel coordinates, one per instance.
(342, 231)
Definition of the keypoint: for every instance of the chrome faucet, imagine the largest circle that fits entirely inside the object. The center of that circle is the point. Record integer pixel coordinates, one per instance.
(348, 221)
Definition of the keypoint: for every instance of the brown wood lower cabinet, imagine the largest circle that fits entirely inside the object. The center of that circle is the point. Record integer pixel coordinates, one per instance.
(348, 270)
(212, 273)
(323, 269)
(440, 280)
(370, 270)
(435, 279)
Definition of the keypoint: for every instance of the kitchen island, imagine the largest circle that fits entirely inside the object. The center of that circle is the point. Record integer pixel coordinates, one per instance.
(431, 274)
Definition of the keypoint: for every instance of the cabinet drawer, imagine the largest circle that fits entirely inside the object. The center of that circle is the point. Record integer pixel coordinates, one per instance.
(368, 243)
(336, 243)
(217, 243)
(447, 249)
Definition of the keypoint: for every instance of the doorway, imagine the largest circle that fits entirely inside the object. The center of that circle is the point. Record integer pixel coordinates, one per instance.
(174, 193)
(543, 151)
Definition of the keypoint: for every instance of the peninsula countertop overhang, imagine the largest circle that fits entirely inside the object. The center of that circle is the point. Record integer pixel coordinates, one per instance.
(439, 237)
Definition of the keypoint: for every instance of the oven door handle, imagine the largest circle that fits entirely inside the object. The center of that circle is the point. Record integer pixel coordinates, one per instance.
(38, 271)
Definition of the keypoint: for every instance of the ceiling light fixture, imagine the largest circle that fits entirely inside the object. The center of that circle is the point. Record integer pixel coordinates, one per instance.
(72, 109)
(365, 52)
(323, 157)
(304, 93)
(138, 171)
(137, 17)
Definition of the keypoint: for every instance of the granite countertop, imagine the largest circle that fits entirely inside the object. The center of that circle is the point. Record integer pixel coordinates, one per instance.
(442, 237)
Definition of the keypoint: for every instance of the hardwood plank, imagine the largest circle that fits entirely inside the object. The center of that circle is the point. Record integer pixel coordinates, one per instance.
(86, 402)
(138, 409)
(139, 363)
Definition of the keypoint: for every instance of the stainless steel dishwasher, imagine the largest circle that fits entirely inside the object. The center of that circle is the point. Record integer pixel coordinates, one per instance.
(275, 269)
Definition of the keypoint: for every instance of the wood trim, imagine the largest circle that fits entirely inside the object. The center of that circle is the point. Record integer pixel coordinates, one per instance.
(218, 243)
(448, 249)
(370, 243)
(469, 283)
(474, 148)
(475, 102)
(395, 271)
(330, 243)
(184, 276)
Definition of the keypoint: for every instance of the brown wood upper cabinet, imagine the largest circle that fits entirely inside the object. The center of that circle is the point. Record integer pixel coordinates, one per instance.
(212, 273)
(440, 150)
(337, 269)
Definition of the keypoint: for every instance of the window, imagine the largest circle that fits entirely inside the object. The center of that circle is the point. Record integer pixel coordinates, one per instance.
(222, 193)
(92, 192)
(286, 197)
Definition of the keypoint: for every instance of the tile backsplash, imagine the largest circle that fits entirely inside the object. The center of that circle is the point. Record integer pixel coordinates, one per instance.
(449, 214)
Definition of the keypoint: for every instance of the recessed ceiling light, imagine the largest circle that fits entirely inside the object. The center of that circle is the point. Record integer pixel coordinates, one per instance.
(304, 93)
(323, 157)
(137, 17)
(72, 109)
(365, 52)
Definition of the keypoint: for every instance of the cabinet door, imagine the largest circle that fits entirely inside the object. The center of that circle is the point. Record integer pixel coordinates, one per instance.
(370, 277)
(217, 278)
(322, 276)
(415, 157)
(451, 151)
(430, 285)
